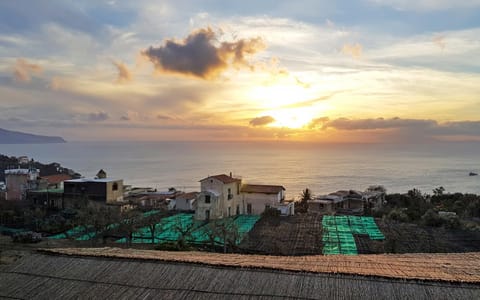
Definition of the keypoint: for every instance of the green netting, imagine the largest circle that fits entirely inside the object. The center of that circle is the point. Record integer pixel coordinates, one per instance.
(338, 233)
(75, 232)
(170, 230)
(82, 233)
(10, 231)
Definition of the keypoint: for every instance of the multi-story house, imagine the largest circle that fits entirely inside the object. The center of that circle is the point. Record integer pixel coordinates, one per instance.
(219, 197)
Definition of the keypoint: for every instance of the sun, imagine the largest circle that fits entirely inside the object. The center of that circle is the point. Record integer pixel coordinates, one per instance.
(290, 104)
(294, 118)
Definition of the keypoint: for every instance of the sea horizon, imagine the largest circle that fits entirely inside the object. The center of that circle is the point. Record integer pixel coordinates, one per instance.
(323, 168)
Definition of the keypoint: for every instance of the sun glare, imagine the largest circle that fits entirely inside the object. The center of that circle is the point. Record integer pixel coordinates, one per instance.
(290, 105)
(292, 117)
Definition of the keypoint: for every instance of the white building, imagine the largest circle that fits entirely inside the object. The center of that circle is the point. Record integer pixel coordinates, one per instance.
(186, 201)
(257, 197)
(219, 197)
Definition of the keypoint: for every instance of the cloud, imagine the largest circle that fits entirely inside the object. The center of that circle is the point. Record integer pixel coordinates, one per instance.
(439, 41)
(371, 124)
(124, 74)
(311, 101)
(23, 70)
(98, 117)
(163, 117)
(201, 55)
(55, 84)
(427, 5)
(262, 121)
(354, 50)
(301, 83)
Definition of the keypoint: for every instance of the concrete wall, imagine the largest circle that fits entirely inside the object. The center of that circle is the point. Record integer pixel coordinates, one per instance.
(184, 204)
(108, 192)
(259, 201)
(214, 207)
(16, 186)
(114, 191)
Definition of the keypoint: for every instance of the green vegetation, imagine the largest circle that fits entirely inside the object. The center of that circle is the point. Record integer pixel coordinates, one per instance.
(302, 205)
(452, 211)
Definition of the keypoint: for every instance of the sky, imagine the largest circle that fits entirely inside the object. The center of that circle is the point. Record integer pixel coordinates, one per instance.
(365, 71)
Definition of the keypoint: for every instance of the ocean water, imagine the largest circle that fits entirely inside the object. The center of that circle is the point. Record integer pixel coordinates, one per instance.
(296, 166)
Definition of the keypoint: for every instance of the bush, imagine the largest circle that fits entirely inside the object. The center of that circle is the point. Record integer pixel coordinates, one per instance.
(171, 247)
(271, 212)
(398, 215)
(431, 218)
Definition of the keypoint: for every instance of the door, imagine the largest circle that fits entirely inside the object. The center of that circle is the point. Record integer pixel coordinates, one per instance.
(249, 208)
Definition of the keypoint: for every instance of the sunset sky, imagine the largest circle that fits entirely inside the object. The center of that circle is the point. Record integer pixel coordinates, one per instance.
(326, 71)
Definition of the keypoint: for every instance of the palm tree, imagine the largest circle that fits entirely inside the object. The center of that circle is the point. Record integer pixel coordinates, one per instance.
(305, 196)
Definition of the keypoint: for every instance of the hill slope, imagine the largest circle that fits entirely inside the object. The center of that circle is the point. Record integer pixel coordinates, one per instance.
(15, 137)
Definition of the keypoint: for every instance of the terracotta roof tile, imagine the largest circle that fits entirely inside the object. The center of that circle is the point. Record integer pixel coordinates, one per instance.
(57, 178)
(223, 178)
(263, 189)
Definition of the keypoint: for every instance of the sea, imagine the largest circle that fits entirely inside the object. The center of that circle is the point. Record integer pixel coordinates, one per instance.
(323, 168)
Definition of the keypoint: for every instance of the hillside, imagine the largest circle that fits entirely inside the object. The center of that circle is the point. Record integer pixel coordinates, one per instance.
(15, 137)
(8, 162)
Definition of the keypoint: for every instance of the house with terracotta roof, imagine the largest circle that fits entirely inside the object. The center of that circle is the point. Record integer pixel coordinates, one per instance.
(56, 181)
(258, 197)
(219, 197)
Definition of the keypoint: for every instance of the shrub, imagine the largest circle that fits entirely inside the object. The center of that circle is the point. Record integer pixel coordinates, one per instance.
(431, 218)
(398, 215)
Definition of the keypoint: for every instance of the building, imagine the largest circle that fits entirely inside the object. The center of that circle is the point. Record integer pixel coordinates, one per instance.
(56, 181)
(256, 198)
(348, 202)
(18, 182)
(49, 198)
(186, 201)
(100, 190)
(23, 160)
(219, 197)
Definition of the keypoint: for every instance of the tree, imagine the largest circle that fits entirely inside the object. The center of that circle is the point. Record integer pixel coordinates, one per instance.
(223, 232)
(130, 223)
(184, 229)
(305, 196)
(152, 221)
(438, 191)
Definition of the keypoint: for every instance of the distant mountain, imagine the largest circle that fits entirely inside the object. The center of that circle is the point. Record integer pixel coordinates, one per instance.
(15, 137)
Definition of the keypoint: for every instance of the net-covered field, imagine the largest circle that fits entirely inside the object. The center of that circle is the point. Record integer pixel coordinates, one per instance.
(172, 228)
(338, 233)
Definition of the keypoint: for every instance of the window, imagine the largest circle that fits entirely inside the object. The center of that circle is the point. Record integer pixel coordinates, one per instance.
(230, 196)
(115, 186)
(207, 215)
(229, 211)
(249, 208)
(207, 198)
(238, 209)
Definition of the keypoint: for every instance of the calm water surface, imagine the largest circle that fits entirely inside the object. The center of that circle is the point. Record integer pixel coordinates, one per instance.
(322, 168)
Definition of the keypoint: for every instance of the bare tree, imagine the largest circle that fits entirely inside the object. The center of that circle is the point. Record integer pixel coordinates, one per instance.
(226, 232)
(130, 224)
(152, 221)
(184, 229)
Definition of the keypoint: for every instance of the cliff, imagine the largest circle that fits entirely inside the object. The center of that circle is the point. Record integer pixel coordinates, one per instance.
(15, 137)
